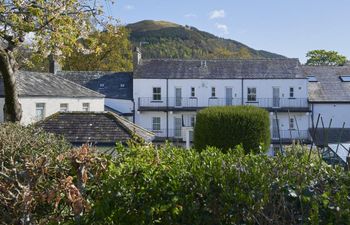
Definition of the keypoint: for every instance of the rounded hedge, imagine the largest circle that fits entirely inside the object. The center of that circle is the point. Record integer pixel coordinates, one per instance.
(229, 126)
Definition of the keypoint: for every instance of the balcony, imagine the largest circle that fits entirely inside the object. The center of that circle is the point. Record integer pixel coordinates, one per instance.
(287, 136)
(168, 104)
(192, 104)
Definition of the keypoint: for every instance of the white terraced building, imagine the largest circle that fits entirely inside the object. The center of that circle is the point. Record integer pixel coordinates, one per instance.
(169, 92)
(43, 94)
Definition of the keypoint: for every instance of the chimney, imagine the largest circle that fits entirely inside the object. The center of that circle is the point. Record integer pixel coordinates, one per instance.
(137, 57)
(54, 66)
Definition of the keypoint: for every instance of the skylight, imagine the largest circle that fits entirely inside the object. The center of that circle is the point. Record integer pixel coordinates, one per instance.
(312, 78)
(345, 78)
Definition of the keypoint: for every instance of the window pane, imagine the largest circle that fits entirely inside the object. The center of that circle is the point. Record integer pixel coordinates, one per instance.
(157, 93)
(40, 111)
(86, 107)
(156, 123)
(63, 107)
(213, 94)
(193, 92)
(291, 92)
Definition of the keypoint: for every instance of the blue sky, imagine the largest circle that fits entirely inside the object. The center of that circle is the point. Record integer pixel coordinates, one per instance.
(287, 27)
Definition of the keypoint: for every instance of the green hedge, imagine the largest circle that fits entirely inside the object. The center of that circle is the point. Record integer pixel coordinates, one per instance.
(168, 185)
(229, 126)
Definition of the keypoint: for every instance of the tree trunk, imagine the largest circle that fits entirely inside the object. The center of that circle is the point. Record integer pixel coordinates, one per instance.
(12, 107)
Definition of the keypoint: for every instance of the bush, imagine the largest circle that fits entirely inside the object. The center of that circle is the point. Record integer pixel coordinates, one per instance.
(42, 179)
(227, 127)
(147, 185)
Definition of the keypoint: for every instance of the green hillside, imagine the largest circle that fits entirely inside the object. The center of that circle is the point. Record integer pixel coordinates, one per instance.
(170, 40)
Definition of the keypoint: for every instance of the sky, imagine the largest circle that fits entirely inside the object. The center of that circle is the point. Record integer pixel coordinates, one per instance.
(287, 27)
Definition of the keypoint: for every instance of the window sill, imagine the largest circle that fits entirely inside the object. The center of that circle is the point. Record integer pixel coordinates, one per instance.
(156, 101)
(291, 98)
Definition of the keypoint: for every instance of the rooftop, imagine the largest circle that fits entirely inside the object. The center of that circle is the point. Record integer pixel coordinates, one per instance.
(47, 84)
(328, 86)
(99, 128)
(116, 85)
(219, 69)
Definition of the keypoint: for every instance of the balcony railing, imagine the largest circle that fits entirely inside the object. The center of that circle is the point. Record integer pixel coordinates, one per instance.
(168, 102)
(290, 134)
(269, 103)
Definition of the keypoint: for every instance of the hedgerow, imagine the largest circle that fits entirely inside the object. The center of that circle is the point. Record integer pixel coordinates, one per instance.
(169, 185)
(229, 126)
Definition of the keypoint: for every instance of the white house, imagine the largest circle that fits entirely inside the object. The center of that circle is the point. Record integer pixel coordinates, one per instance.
(169, 92)
(43, 94)
(116, 86)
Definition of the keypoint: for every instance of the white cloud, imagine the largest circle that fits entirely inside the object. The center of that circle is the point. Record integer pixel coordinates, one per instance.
(129, 7)
(222, 27)
(190, 15)
(217, 14)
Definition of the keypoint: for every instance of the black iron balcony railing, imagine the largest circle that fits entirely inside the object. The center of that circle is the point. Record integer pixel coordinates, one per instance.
(168, 102)
(290, 135)
(194, 103)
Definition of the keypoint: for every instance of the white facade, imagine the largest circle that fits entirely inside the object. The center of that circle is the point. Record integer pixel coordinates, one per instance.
(175, 104)
(52, 105)
(338, 112)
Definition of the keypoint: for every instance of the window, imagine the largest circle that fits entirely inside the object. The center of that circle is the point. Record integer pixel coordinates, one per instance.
(193, 121)
(63, 107)
(193, 92)
(156, 123)
(157, 94)
(291, 124)
(291, 92)
(86, 107)
(122, 85)
(102, 85)
(213, 92)
(252, 94)
(311, 78)
(40, 111)
(345, 78)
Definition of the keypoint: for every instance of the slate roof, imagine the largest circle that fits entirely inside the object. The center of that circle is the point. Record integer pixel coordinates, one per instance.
(219, 69)
(117, 85)
(99, 128)
(330, 135)
(329, 87)
(47, 84)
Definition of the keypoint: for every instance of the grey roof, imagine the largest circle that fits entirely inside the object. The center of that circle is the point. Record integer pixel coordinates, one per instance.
(100, 128)
(219, 69)
(329, 87)
(47, 84)
(117, 85)
(323, 137)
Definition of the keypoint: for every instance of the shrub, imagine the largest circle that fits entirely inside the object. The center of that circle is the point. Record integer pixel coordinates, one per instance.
(42, 179)
(170, 185)
(227, 127)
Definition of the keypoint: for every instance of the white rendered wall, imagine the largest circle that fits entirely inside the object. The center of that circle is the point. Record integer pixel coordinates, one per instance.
(2, 102)
(339, 113)
(302, 122)
(52, 105)
(123, 106)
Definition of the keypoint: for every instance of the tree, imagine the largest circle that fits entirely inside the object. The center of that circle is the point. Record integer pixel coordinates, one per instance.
(54, 26)
(109, 50)
(325, 58)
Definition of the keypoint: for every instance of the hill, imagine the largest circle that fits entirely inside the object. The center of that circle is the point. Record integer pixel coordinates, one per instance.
(170, 40)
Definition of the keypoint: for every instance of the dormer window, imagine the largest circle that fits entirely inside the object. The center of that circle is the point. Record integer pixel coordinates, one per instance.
(311, 78)
(122, 85)
(102, 85)
(345, 78)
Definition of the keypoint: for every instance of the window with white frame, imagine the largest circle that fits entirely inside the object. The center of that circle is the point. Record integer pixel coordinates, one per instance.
(40, 111)
(102, 85)
(193, 121)
(156, 123)
(193, 92)
(157, 96)
(291, 92)
(86, 107)
(251, 94)
(291, 124)
(64, 107)
(213, 92)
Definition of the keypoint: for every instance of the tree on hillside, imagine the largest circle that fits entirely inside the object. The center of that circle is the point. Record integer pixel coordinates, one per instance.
(54, 26)
(325, 58)
(110, 50)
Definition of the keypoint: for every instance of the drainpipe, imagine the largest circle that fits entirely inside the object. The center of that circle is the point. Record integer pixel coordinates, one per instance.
(242, 102)
(133, 111)
(167, 111)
